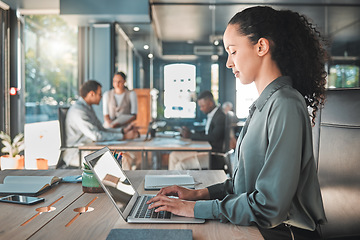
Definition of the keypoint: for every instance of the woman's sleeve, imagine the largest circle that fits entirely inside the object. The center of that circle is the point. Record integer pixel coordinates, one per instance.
(277, 182)
(216, 191)
(133, 101)
(105, 100)
(92, 128)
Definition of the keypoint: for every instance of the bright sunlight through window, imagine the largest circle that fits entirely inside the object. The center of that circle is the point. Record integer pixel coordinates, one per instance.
(179, 92)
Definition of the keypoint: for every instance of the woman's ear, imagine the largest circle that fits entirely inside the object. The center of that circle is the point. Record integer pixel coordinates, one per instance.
(263, 46)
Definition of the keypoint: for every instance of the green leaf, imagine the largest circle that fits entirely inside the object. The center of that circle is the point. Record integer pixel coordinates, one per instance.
(5, 137)
(5, 150)
(19, 138)
(12, 147)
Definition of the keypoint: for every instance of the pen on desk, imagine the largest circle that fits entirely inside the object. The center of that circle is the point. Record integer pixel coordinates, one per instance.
(119, 159)
(120, 156)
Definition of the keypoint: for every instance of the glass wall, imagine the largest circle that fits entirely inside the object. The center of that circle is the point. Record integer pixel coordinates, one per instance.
(343, 76)
(4, 72)
(245, 96)
(124, 56)
(215, 81)
(51, 66)
(179, 91)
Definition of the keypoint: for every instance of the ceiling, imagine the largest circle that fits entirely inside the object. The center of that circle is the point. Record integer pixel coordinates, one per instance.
(194, 21)
(174, 28)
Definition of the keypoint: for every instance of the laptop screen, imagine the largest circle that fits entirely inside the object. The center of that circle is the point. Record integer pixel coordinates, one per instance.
(114, 180)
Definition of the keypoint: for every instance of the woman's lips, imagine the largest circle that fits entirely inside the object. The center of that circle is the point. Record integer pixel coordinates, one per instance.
(237, 74)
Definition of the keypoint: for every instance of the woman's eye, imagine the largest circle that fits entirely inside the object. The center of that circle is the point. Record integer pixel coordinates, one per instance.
(232, 53)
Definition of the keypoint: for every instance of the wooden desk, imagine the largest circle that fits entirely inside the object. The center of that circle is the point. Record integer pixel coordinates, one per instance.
(157, 144)
(98, 223)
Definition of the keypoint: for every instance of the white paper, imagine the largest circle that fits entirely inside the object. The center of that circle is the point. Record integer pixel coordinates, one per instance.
(122, 119)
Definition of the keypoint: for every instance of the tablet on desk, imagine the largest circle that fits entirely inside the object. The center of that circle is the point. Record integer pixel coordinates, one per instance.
(156, 182)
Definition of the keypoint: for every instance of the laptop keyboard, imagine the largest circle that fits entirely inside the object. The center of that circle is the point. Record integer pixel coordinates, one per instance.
(144, 212)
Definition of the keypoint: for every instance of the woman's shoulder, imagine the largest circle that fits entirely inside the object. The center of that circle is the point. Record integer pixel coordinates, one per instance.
(287, 100)
(107, 93)
(287, 93)
(131, 92)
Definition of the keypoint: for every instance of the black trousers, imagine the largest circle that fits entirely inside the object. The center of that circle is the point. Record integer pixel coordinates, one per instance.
(286, 232)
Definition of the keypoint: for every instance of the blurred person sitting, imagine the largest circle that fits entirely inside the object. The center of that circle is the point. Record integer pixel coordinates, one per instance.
(82, 125)
(233, 120)
(227, 107)
(213, 133)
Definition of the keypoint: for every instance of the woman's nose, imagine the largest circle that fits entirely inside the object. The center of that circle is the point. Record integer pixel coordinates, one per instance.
(229, 63)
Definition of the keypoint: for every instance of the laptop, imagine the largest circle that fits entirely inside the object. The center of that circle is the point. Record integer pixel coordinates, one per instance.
(128, 202)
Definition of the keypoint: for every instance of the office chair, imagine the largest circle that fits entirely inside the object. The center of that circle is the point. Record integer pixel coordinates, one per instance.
(62, 112)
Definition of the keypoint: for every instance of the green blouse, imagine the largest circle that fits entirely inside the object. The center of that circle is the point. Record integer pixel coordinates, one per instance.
(275, 181)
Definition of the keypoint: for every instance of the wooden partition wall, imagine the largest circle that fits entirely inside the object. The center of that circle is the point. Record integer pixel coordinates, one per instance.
(144, 109)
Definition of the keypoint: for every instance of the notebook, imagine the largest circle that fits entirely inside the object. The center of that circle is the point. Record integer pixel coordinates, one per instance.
(128, 202)
(27, 185)
(150, 234)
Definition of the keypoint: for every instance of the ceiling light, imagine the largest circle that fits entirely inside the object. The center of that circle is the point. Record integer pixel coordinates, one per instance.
(214, 57)
(216, 42)
(146, 47)
(150, 55)
(136, 29)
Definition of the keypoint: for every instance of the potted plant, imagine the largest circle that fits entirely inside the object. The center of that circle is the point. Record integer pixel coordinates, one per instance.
(13, 159)
(89, 182)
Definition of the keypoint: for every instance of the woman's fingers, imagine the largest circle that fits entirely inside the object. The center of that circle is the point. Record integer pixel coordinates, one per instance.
(174, 205)
(169, 191)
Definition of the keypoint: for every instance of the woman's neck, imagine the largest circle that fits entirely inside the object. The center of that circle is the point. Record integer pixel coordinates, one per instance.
(119, 90)
(268, 73)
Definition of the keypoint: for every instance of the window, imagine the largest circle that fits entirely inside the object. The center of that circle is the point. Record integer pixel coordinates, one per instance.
(4, 73)
(215, 81)
(245, 96)
(343, 76)
(50, 66)
(179, 87)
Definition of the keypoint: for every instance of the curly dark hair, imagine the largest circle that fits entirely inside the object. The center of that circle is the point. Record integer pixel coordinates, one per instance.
(295, 45)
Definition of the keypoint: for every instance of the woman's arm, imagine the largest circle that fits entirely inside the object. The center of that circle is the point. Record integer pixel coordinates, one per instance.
(185, 193)
(107, 120)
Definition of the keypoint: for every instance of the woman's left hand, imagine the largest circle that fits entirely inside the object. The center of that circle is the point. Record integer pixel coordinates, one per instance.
(174, 205)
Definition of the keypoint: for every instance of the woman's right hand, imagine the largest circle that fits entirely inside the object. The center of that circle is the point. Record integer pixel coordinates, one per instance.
(185, 193)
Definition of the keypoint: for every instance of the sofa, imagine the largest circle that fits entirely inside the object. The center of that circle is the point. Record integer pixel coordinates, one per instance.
(336, 139)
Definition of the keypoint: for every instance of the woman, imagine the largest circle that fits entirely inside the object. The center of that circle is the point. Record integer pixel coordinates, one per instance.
(119, 104)
(275, 185)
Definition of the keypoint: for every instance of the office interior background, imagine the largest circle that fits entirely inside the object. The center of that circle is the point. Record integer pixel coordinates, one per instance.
(173, 48)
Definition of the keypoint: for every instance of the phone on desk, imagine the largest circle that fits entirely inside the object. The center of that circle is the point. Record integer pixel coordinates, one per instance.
(19, 199)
